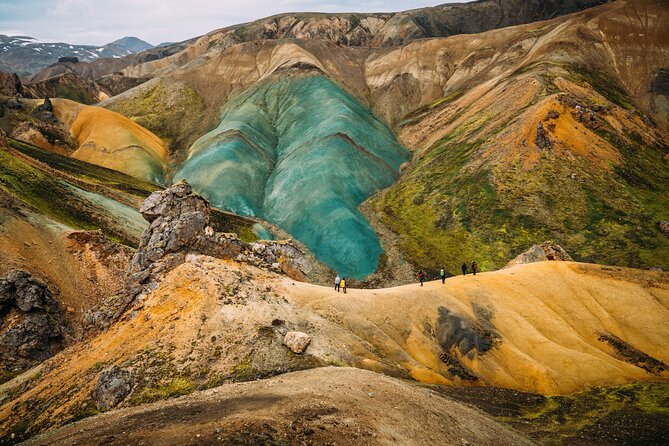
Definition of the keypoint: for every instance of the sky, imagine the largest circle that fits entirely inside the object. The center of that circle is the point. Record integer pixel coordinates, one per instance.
(96, 22)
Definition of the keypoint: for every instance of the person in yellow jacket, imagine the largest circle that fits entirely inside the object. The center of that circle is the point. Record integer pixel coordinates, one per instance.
(342, 284)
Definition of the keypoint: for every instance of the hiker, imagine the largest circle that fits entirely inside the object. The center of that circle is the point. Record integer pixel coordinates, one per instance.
(442, 274)
(342, 284)
(421, 277)
(464, 269)
(337, 282)
(475, 267)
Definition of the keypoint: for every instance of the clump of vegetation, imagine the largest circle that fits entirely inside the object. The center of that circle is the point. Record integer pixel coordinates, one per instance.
(85, 410)
(243, 371)
(177, 386)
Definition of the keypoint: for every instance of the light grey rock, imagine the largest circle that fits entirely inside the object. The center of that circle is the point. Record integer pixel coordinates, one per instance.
(114, 384)
(297, 341)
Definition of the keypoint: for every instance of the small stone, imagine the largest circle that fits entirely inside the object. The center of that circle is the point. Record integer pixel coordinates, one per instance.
(297, 341)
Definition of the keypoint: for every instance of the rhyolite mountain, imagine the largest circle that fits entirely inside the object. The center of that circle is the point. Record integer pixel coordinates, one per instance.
(370, 145)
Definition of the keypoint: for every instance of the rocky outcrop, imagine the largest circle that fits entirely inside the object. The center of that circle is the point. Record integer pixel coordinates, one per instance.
(10, 84)
(180, 225)
(45, 133)
(542, 140)
(297, 341)
(664, 227)
(114, 384)
(31, 324)
(540, 253)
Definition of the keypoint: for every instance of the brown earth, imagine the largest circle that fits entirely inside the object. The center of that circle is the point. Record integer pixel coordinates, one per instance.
(335, 406)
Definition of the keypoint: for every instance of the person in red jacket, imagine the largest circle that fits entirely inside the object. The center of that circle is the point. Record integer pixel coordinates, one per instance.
(421, 277)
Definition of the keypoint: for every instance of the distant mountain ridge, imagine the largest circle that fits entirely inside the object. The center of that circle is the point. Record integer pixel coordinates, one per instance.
(132, 44)
(26, 55)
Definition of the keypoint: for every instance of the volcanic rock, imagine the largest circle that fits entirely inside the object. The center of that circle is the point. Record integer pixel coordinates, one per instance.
(31, 324)
(44, 112)
(113, 385)
(68, 59)
(542, 141)
(664, 227)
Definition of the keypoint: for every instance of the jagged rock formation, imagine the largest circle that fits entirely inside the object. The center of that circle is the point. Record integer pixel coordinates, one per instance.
(31, 323)
(540, 253)
(179, 225)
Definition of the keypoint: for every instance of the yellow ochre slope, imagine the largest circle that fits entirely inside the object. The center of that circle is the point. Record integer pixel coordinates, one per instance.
(108, 139)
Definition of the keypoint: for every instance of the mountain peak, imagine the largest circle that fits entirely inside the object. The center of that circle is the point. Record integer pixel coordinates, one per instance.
(132, 44)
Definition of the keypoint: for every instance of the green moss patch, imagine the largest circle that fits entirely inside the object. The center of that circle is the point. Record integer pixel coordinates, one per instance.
(631, 414)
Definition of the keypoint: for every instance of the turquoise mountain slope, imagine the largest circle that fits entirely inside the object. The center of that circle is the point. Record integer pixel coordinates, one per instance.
(303, 154)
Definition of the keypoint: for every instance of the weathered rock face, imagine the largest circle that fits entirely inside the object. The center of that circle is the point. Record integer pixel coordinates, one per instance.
(10, 84)
(540, 253)
(297, 341)
(44, 112)
(113, 385)
(179, 225)
(31, 324)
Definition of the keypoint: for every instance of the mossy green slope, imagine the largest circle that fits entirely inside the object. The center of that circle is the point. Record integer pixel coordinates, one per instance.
(484, 191)
(80, 195)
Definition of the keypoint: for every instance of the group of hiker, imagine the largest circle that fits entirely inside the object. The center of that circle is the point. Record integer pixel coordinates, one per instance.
(442, 273)
(340, 282)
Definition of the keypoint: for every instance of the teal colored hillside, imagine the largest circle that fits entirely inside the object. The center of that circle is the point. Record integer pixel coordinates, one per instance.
(303, 154)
